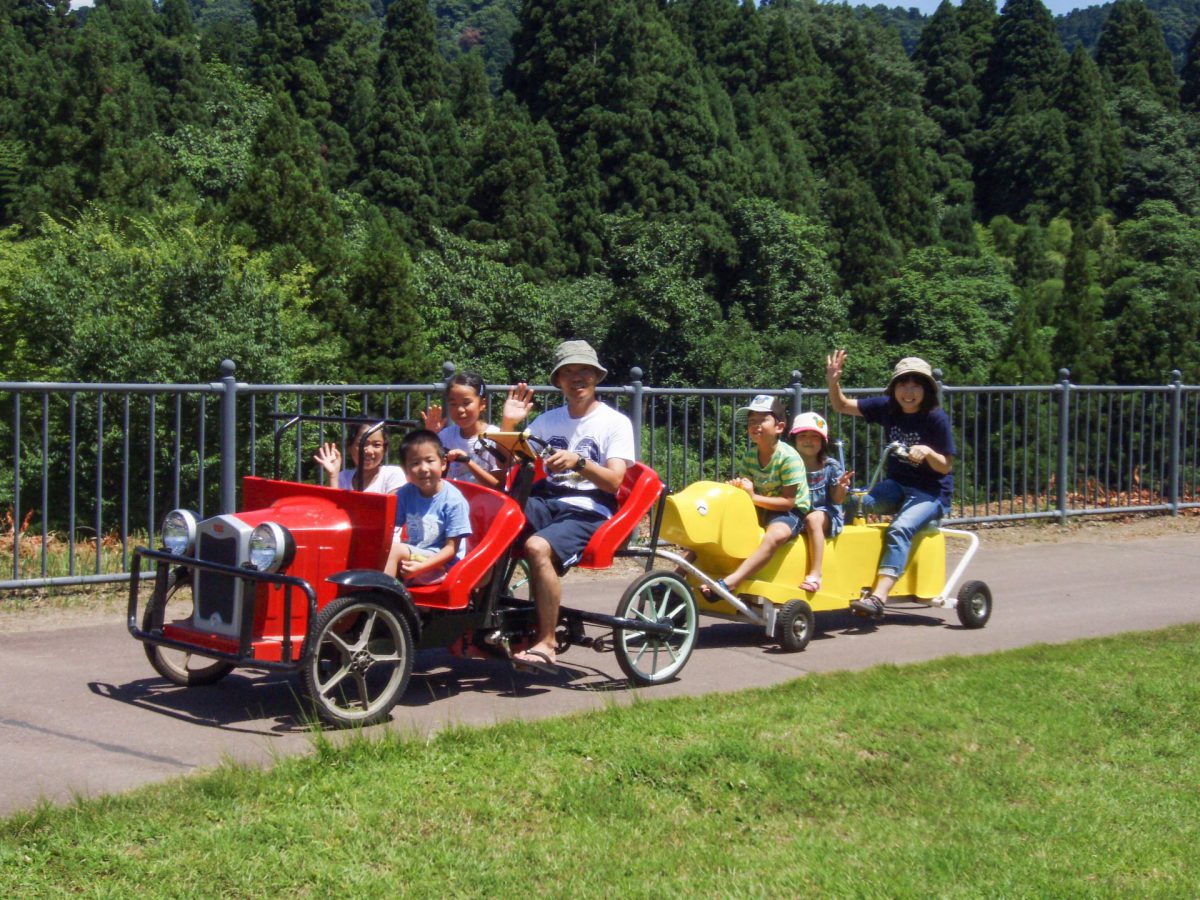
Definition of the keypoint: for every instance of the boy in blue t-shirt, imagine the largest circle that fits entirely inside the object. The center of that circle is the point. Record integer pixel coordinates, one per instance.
(434, 513)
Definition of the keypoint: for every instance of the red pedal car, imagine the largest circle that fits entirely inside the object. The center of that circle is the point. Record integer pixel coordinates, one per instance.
(295, 583)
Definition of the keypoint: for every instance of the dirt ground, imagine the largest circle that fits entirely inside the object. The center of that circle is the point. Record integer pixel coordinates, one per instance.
(38, 610)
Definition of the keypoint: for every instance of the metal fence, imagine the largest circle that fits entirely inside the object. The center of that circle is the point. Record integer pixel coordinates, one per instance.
(95, 466)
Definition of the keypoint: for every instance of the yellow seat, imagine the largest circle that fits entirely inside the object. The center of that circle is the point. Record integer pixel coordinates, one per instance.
(719, 523)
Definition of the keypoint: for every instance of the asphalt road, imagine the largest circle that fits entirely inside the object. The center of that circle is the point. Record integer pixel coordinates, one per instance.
(82, 713)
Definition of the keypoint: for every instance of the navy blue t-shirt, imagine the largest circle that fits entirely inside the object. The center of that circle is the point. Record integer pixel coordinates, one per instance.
(931, 429)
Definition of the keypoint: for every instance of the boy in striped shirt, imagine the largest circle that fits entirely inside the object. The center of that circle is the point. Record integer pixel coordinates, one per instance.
(772, 473)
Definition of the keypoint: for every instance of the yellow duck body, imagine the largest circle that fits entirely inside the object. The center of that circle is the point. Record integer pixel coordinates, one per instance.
(719, 524)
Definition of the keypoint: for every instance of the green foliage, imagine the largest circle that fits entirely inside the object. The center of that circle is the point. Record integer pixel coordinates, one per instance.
(763, 177)
(951, 309)
(478, 308)
(1152, 301)
(215, 156)
(158, 299)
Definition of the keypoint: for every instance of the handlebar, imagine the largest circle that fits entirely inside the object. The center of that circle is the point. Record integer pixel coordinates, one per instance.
(895, 448)
(521, 443)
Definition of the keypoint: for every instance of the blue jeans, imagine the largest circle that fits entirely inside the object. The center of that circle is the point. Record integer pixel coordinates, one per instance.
(914, 509)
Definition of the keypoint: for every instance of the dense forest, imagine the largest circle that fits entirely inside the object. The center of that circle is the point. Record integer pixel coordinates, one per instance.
(717, 192)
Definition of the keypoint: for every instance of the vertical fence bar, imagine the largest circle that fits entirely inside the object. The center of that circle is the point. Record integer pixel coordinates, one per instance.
(635, 375)
(1064, 412)
(45, 478)
(99, 474)
(175, 466)
(254, 434)
(1176, 449)
(16, 451)
(71, 476)
(228, 443)
(201, 455)
(125, 484)
(150, 479)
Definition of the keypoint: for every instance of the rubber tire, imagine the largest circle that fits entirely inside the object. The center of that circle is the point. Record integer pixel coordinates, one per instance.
(794, 625)
(669, 594)
(166, 662)
(333, 621)
(974, 604)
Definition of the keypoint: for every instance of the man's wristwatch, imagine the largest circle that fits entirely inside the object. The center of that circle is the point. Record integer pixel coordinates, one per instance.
(582, 464)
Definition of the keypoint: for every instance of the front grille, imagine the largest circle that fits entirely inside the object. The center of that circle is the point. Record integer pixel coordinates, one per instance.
(217, 594)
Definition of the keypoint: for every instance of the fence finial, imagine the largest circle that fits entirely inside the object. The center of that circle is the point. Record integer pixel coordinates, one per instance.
(227, 368)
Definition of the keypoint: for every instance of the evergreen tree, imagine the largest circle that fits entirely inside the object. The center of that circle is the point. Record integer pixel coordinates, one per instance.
(1132, 53)
(397, 162)
(1077, 321)
(866, 255)
(1024, 155)
(513, 191)
(1032, 261)
(616, 72)
(1189, 91)
(380, 319)
(1093, 136)
(951, 97)
(976, 23)
(409, 51)
(285, 201)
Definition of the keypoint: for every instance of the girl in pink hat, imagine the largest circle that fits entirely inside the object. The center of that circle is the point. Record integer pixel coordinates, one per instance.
(827, 486)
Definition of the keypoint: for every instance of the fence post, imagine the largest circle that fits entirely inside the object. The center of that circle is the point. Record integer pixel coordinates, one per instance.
(635, 409)
(228, 446)
(1064, 425)
(797, 396)
(1176, 455)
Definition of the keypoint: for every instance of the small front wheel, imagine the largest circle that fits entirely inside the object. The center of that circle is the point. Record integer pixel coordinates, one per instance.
(974, 604)
(661, 598)
(178, 666)
(361, 660)
(794, 625)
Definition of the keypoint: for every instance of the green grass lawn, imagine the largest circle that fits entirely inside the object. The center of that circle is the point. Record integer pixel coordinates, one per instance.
(1069, 770)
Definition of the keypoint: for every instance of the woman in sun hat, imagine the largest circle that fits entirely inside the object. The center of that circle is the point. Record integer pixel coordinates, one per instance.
(918, 485)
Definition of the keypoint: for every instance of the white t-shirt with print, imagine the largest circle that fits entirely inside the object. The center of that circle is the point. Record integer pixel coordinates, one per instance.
(388, 480)
(452, 439)
(601, 435)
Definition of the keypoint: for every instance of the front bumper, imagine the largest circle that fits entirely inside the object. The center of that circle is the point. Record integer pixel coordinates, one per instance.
(244, 650)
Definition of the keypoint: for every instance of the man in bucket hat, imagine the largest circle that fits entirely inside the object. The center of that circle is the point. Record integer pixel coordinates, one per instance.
(592, 444)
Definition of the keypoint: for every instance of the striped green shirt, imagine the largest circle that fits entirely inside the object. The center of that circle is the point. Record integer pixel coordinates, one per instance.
(785, 467)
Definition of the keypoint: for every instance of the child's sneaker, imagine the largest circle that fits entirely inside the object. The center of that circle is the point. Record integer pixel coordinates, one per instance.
(868, 605)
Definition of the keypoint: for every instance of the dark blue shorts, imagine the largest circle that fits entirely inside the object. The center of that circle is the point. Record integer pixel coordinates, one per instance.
(565, 527)
(792, 519)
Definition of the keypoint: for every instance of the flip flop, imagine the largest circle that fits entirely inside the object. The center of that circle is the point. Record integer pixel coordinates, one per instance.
(534, 660)
(811, 583)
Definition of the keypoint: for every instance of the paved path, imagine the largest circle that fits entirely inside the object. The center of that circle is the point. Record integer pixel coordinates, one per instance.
(82, 713)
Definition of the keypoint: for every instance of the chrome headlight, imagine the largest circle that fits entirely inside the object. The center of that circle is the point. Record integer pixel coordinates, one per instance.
(179, 531)
(271, 547)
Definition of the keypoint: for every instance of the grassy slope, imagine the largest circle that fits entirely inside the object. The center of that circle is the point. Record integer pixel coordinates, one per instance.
(1065, 770)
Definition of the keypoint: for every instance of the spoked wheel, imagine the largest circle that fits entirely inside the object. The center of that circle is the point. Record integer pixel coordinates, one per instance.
(794, 625)
(361, 661)
(974, 604)
(178, 666)
(518, 583)
(661, 597)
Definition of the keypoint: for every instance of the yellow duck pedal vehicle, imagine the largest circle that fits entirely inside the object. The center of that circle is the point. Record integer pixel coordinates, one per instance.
(718, 524)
